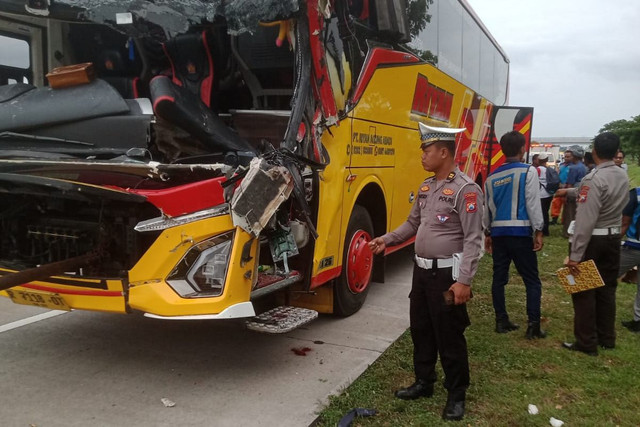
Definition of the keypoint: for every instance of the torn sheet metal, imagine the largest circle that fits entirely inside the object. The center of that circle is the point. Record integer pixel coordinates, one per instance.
(176, 16)
(260, 194)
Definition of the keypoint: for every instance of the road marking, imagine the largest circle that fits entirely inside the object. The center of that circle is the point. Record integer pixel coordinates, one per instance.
(32, 319)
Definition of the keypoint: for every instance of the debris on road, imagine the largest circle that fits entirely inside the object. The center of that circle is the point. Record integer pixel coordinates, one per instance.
(167, 402)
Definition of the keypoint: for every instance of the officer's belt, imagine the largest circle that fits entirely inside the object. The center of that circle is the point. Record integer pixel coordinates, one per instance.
(608, 231)
(428, 264)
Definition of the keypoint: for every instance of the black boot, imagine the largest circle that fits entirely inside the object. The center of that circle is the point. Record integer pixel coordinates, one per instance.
(534, 331)
(420, 388)
(454, 410)
(505, 325)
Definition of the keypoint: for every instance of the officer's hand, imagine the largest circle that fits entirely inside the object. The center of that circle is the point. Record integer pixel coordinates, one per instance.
(537, 241)
(377, 245)
(461, 293)
(573, 266)
(560, 192)
(488, 245)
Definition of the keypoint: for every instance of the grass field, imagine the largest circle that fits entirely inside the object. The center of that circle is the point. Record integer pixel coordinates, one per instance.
(509, 372)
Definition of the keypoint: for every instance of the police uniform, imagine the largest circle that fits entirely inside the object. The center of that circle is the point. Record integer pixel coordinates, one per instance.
(446, 220)
(601, 197)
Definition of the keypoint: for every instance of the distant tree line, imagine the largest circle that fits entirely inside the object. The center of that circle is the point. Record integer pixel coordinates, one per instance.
(629, 133)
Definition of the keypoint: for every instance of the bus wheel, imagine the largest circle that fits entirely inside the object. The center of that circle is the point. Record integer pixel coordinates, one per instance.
(352, 286)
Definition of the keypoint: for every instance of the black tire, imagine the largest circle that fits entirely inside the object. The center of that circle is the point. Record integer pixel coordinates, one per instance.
(351, 288)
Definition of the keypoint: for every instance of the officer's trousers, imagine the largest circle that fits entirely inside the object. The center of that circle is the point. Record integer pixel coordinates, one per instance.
(595, 310)
(437, 328)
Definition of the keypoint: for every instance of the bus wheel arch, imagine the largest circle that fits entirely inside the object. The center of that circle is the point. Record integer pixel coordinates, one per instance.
(367, 220)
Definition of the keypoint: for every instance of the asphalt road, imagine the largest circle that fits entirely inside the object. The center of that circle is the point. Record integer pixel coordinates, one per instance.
(92, 369)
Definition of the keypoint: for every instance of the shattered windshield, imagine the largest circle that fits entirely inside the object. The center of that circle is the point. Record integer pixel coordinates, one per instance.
(176, 16)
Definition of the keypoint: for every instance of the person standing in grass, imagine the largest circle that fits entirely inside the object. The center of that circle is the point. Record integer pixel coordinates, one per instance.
(577, 171)
(513, 213)
(446, 220)
(601, 198)
(563, 172)
(630, 251)
(546, 195)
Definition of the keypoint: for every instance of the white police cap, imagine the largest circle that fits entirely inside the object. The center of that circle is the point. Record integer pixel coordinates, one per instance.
(432, 134)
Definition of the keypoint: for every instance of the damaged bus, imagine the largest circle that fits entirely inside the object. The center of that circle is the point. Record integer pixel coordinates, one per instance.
(213, 159)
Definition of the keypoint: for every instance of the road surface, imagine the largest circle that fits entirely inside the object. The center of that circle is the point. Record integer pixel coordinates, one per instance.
(92, 369)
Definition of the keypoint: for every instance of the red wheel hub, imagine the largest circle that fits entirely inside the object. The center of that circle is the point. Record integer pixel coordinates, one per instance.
(359, 262)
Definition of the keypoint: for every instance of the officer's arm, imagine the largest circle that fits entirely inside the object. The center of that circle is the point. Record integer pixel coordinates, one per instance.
(407, 229)
(589, 204)
(470, 209)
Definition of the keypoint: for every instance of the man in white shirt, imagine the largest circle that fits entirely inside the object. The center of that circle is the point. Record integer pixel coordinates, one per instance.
(545, 197)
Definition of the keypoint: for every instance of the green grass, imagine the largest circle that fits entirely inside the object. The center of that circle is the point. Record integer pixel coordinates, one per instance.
(509, 372)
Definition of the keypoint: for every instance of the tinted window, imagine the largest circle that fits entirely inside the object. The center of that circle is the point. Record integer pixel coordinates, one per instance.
(450, 38)
(471, 36)
(461, 48)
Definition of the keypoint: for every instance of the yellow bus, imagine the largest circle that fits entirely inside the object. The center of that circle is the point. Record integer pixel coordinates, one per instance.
(209, 160)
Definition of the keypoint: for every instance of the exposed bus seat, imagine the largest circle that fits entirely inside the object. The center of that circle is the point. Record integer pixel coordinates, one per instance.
(114, 56)
(192, 64)
(263, 65)
(176, 104)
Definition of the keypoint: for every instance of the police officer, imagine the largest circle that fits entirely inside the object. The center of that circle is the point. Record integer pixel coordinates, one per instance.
(447, 222)
(601, 197)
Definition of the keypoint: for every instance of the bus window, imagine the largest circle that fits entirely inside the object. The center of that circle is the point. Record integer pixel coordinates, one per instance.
(457, 42)
(14, 60)
(450, 38)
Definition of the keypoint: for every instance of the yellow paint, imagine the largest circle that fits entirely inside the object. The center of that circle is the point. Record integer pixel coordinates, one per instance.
(157, 297)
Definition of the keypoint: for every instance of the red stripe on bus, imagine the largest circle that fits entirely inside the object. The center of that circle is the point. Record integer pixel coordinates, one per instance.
(377, 57)
(325, 276)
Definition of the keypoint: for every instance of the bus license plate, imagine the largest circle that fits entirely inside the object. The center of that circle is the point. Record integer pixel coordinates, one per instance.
(39, 299)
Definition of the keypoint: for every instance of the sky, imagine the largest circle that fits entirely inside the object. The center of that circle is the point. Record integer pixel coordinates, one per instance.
(577, 62)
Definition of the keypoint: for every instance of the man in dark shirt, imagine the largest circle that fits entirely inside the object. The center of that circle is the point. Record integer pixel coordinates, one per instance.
(577, 171)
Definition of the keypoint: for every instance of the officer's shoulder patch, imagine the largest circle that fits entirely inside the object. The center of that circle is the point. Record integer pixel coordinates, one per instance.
(584, 191)
(471, 202)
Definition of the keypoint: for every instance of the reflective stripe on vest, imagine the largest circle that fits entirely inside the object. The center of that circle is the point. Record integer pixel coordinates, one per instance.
(507, 204)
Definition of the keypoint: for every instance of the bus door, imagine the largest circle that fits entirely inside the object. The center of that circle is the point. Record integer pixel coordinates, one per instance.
(503, 120)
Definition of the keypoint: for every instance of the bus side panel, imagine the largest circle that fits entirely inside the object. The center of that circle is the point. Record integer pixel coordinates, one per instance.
(326, 260)
(402, 96)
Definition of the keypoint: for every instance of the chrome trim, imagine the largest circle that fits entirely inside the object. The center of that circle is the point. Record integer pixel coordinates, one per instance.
(243, 309)
(164, 222)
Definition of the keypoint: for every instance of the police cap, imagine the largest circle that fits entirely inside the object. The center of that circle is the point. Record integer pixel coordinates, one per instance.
(431, 134)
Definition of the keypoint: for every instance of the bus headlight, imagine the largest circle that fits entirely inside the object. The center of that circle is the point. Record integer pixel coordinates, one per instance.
(203, 269)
